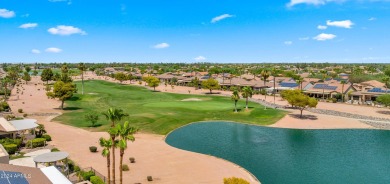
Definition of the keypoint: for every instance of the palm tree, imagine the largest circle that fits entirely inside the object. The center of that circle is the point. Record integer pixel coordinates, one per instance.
(125, 134)
(386, 81)
(274, 76)
(114, 115)
(247, 92)
(265, 75)
(82, 69)
(300, 81)
(235, 97)
(342, 90)
(324, 75)
(106, 144)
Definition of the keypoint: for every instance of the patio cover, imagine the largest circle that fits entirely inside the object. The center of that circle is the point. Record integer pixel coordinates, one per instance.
(24, 124)
(55, 175)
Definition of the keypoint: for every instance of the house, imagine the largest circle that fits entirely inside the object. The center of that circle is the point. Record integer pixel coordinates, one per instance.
(328, 89)
(30, 175)
(14, 127)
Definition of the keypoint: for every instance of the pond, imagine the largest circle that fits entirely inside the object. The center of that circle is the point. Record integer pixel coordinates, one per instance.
(291, 156)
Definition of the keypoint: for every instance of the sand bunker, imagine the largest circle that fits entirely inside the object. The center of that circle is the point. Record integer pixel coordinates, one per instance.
(191, 99)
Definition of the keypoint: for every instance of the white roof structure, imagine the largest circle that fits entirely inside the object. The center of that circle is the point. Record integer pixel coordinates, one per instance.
(55, 176)
(24, 124)
(51, 157)
(17, 125)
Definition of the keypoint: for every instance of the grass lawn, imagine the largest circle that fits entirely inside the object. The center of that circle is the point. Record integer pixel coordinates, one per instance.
(157, 112)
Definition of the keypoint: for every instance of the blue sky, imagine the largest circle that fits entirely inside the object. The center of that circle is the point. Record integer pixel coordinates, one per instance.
(191, 31)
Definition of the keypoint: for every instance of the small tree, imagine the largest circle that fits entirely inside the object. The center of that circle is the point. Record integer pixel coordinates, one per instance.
(384, 99)
(235, 97)
(62, 91)
(26, 77)
(210, 84)
(234, 180)
(301, 101)
(35, 73)
(120, 77)
(92, 117)
(47, 75)
(82, 69)
(153, 82)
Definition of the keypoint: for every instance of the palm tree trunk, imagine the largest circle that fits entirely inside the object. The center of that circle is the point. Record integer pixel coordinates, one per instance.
(274, 91)
(113, 159)
(108, 169)
(120, 166)
(62, 104)
(342, 93)
(235, 106)
(301, 112)
(82, 82)
(246, 103)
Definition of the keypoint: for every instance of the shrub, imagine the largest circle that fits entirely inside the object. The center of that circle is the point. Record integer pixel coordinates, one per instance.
(20, 110)
(93, 149)
(149, 178)
(125, 167)
(18, 142)
(132, 160)
(25, 115)
(10, 148)
(234, 180)
(5, 105)
(87, 175)
(37, 142)
(96, 180)
(55, 150)
(334, 100)
(47, 137)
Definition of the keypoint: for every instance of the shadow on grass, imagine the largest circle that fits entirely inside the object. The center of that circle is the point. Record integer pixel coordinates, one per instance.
(74, 98)
(298, 116)
(155, 91)
(213, 93)
(95, 125)
(71, 108)
(384, 112)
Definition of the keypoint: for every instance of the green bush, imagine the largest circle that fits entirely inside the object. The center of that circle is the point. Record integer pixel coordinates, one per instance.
(4, 105)
(47, 137)
(93, 149)
(8, 92)
(18, 142)
(87, 175)
(20, 110)
(55, 150)
(25, 115)
(234, 180)
(96, 180)
(37, 142)
(125, 167)
(10, 148)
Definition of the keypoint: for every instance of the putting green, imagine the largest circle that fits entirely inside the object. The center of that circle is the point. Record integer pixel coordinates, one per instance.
(157, 112)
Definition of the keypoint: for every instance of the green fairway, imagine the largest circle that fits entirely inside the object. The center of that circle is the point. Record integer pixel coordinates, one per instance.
(158, 112)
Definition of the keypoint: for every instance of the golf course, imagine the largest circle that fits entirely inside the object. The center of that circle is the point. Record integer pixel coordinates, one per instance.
(157, 112)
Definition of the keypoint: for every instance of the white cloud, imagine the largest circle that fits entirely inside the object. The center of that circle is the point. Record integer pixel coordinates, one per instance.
(221, 17)
(28, 25)
(200, 58)
(66, 30)
(69, 2)
(344, 23)
(35, 51)
(161, 46)
(312, 2)
(372, 19)
(322, 27)
(53, 50)
(324, 36)
(288, 43)
(6, 13)
(304, 38)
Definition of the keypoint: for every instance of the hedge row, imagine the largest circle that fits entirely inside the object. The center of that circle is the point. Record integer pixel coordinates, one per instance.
(96, 180)
(37, 142)
(10, 148)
